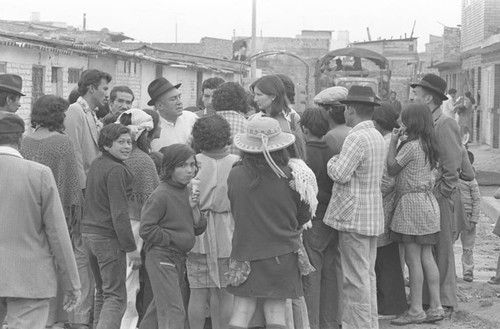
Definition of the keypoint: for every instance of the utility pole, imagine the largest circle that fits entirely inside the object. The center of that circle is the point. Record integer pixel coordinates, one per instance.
(254, 38)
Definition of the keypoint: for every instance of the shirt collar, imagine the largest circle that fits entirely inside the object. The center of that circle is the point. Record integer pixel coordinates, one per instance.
(436, 113)
(7, 150)
(363, 125)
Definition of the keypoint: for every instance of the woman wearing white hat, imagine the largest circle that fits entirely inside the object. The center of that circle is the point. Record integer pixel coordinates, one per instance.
(267, 215)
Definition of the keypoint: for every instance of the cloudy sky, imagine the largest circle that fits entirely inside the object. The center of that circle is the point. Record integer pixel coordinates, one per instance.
(156, 20)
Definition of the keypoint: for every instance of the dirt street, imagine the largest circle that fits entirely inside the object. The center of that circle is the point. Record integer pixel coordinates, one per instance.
(479, 302)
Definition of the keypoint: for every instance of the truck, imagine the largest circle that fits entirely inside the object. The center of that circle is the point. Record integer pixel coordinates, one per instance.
(353, 66)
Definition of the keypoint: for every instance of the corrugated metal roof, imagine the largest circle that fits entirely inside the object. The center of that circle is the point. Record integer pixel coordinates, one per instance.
(70, 48)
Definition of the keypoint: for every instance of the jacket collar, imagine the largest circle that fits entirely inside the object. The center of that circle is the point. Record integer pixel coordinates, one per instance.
(7, 150)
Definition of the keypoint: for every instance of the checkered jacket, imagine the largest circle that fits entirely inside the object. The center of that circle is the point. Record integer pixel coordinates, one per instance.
(356, 203)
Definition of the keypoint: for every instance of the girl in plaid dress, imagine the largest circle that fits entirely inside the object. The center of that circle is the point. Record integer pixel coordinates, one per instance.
(415, 222)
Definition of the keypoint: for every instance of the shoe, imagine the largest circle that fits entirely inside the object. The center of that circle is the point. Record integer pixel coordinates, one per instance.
(448, 311)
(407, 319)
(387, 317)
(468, 276)
(434, 315)
(494, 280)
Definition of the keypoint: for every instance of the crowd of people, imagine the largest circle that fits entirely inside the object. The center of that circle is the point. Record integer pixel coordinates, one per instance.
(240, 214)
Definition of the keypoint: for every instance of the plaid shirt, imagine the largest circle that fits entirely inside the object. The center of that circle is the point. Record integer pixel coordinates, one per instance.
(237, 123)
(356, 203)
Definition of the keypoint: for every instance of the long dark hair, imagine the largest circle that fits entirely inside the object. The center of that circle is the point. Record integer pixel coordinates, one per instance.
(420, 126)
(271, 85)
(256, 164)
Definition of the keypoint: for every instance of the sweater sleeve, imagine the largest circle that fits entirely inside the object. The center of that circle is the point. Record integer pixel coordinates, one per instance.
(117, 193)
(152, 212)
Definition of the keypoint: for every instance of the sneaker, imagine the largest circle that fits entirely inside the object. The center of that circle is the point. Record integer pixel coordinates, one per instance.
(407, 319)
(434, 315)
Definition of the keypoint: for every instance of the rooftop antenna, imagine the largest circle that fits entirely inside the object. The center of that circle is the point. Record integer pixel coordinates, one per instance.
(413, 28)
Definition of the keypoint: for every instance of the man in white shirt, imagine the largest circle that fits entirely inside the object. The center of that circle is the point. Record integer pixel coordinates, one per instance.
(450, 103)
(176, 124)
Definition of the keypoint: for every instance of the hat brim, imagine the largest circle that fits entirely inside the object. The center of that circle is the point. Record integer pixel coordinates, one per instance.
(11, 90)
(251, 144)
(363, 101)
(430, 88)
(161, 92)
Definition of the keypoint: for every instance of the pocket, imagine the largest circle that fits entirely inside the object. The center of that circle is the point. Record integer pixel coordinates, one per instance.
(344, 206)
(167, 264)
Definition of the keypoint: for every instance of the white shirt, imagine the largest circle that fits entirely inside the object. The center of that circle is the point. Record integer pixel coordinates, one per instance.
(175, 133)
(449, 107)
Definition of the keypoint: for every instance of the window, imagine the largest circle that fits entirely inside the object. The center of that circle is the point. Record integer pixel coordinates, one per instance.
(74, 75)
(135, 67)
(124, 66)
(129, 67)
(54, 74)
(3, 67)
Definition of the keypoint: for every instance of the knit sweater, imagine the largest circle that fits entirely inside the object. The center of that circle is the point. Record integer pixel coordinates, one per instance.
(167, 219)
(109, 183)
(56, 152)
(266, 216)
(145, 181)
(318, 154)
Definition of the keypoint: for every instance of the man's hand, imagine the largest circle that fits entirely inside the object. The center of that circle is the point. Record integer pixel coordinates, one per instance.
(71, 299)
(134, 259)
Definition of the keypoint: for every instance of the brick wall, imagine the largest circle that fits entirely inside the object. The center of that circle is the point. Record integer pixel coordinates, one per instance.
(473, 22)
(130, 78)
(24, 71)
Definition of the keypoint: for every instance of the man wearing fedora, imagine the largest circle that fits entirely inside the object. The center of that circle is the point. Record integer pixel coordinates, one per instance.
(176, 124)
(11, 86)
(34, 239)
(431, 91)
(355, 208)
(82, 127)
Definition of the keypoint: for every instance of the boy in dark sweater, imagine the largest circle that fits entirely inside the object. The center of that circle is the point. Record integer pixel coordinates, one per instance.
(323, 288)
(106, 231)
(169, 222)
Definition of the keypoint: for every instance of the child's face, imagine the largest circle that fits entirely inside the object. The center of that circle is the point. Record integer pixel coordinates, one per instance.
(185, 172)
(121, 147)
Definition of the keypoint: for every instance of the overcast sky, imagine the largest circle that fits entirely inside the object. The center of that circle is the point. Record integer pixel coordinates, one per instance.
(155, 20)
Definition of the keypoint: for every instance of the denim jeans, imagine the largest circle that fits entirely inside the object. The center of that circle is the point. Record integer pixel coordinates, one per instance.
(81, 313)
(167, 271)
(323, 288)
(468, 238)
(359, 253)
(108, 263)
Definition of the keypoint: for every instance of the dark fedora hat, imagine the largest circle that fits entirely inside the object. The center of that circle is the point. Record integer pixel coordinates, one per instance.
(158, 87)
(11, 123)
(11, 83)
(433, 83)
(360, 94)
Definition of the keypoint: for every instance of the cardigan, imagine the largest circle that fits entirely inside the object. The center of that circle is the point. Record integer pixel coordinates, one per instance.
(109, 183)
(266, 216)
(167, 219)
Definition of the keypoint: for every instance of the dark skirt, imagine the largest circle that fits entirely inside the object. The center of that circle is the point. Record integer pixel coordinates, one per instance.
(426, 239)
(276, 277)
(391, 294)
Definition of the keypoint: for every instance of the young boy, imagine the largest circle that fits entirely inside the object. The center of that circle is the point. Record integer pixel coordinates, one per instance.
(106, 231)
(472, 202)
(323, 288)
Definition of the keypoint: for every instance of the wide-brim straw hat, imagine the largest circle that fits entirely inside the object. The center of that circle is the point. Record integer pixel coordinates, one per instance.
(263, 134)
